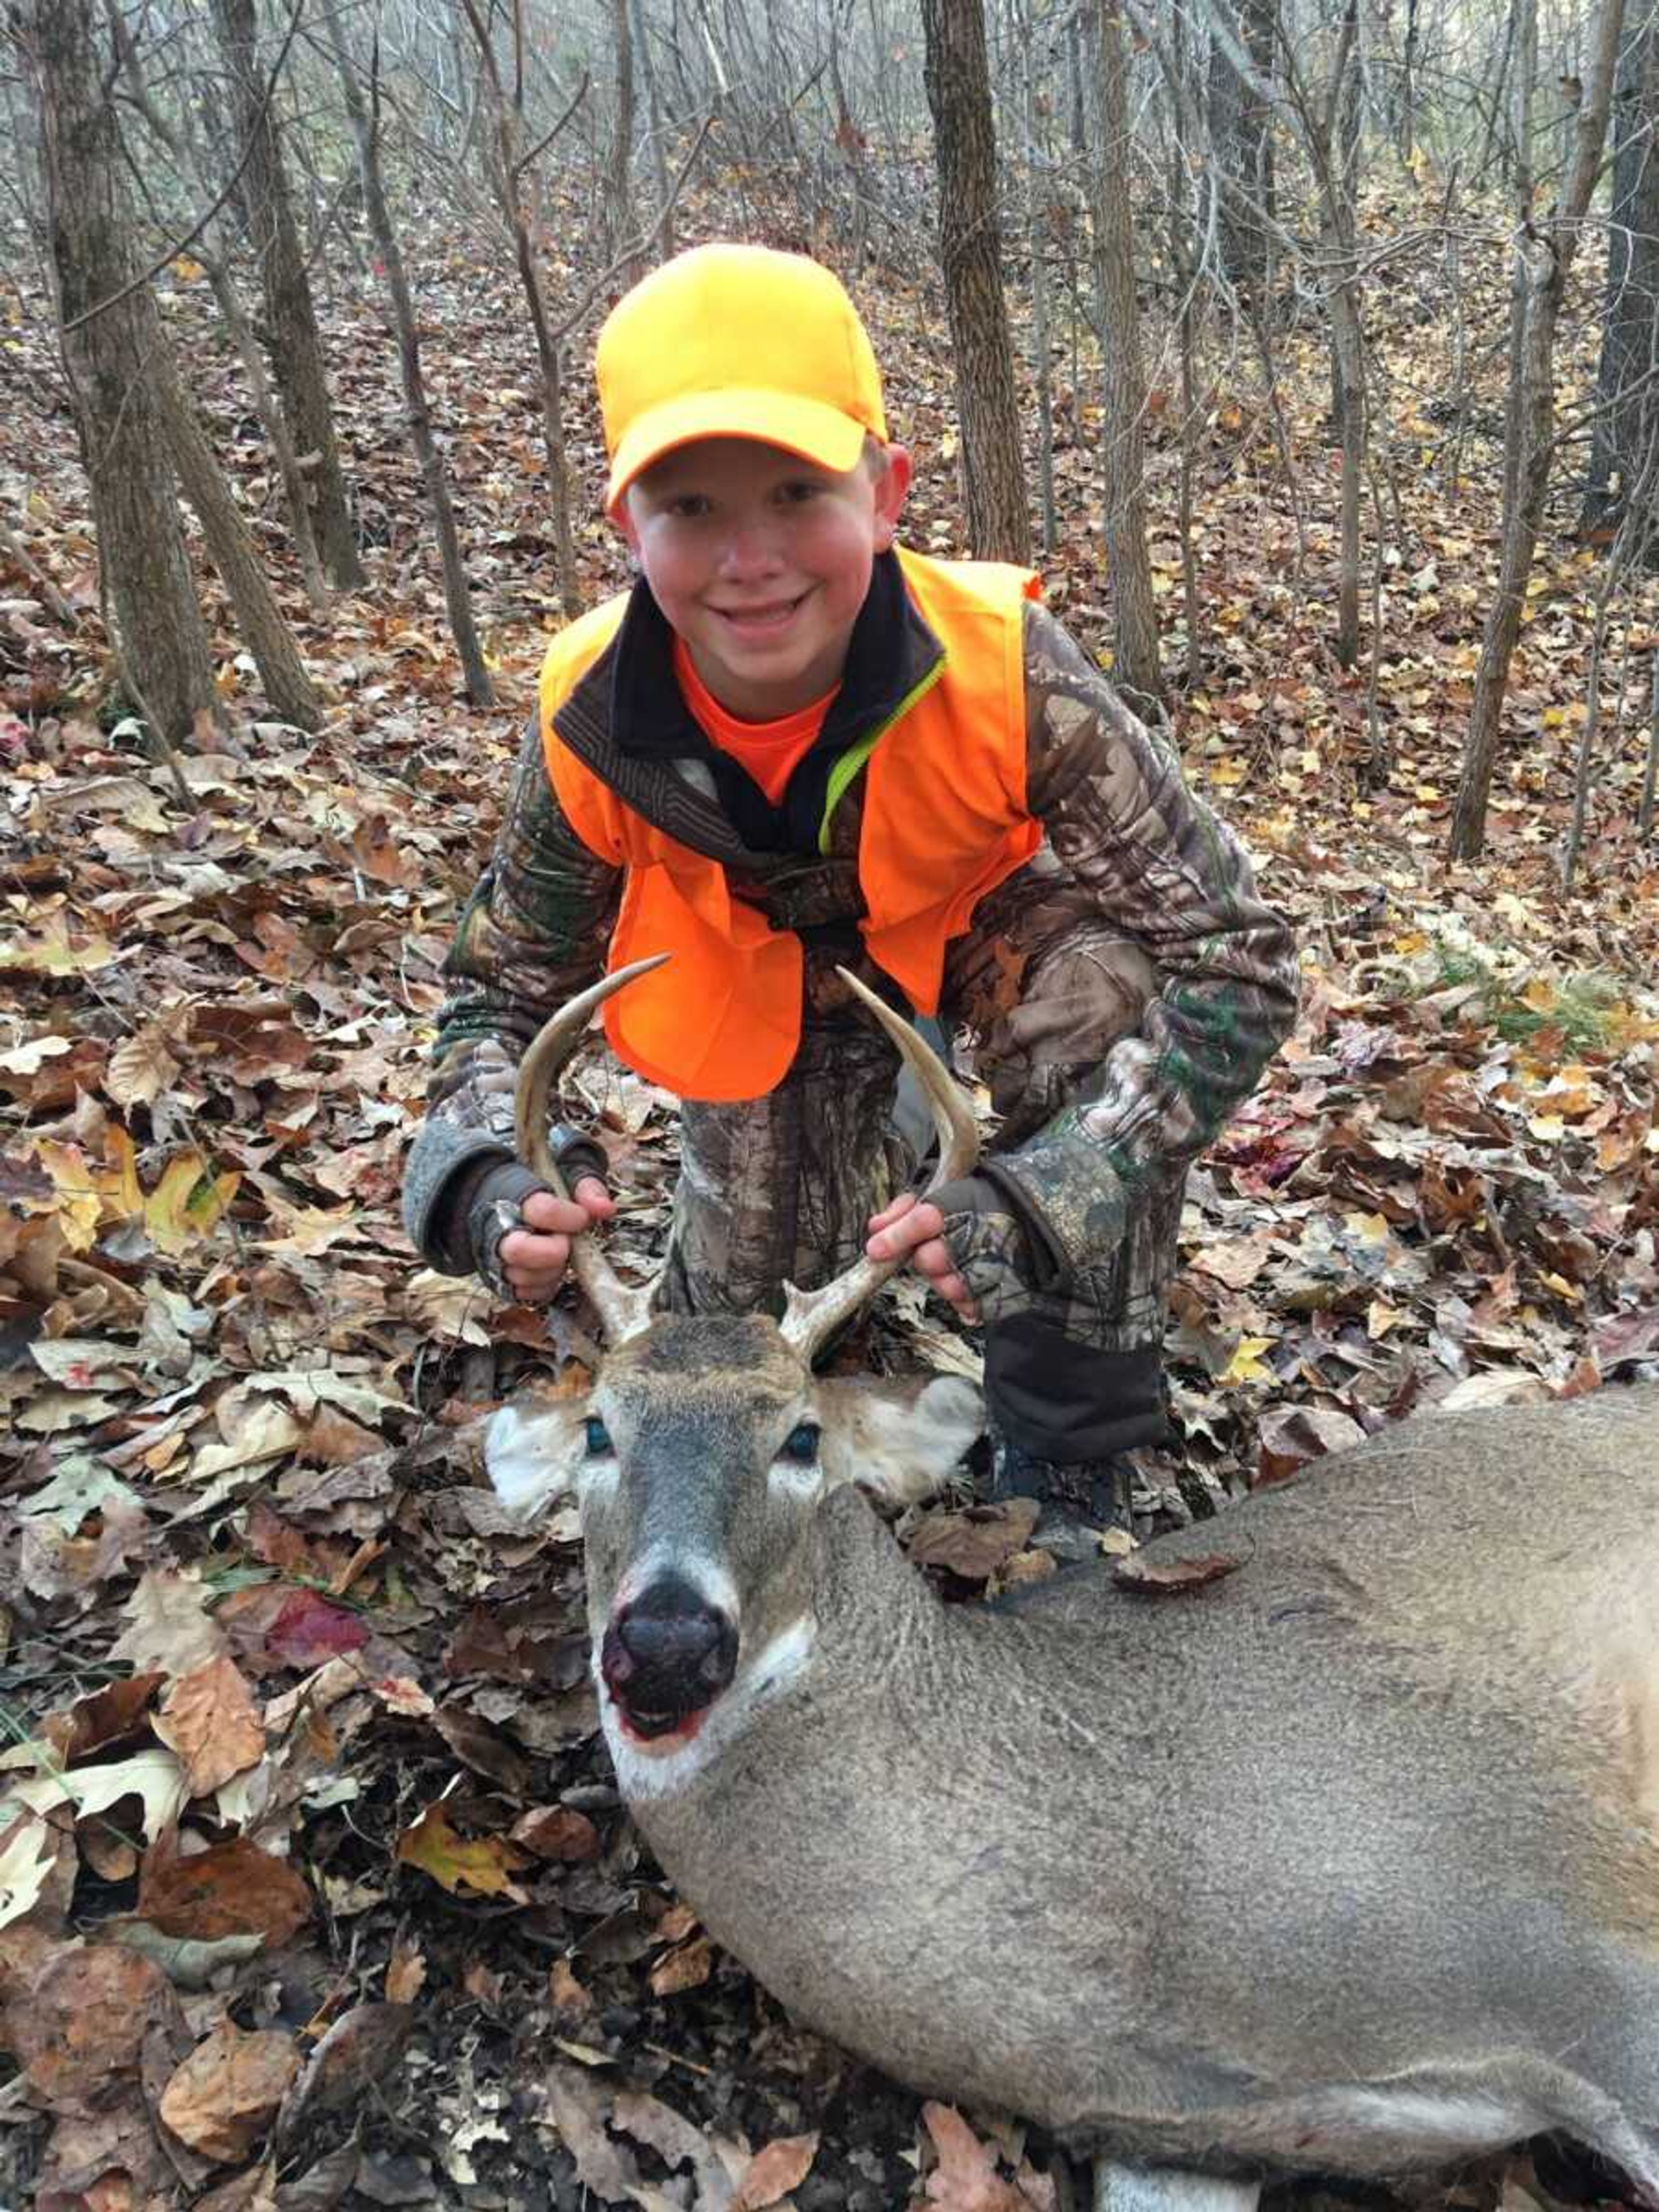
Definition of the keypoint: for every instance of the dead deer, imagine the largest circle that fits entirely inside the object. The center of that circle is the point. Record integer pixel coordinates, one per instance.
(1346, 1862)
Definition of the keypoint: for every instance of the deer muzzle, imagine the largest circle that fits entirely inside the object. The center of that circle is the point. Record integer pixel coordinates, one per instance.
(666, 1655)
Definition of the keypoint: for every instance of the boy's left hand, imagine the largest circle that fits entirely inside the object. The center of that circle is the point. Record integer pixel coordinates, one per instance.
(911, 1229)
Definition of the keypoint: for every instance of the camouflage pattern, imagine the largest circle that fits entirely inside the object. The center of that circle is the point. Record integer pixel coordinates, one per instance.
(1123, 992)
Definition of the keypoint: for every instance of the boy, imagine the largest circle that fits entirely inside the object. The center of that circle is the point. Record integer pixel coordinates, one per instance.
(792, 745)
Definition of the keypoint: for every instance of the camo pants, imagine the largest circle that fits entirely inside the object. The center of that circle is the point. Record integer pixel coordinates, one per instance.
(782, 1187)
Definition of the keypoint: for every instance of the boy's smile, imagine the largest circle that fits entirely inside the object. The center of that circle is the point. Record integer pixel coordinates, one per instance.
(761, 562)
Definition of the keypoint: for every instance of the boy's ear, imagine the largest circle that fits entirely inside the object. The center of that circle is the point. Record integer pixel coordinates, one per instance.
(622, 516)
(890, 488)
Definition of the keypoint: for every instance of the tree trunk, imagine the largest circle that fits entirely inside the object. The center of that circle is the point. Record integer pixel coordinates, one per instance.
(1625, 424)
(1123, 391)
(297, 347)
(959, 94)
(457, 598)
(141, 547)
(229, 542)
(618, 185)
(1240, 134)
(1547, 259)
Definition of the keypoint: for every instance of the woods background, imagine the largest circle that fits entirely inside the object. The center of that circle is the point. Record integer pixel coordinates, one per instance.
(1309, 350)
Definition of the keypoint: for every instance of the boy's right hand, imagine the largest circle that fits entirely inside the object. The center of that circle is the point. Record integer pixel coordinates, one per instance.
(534, 1259)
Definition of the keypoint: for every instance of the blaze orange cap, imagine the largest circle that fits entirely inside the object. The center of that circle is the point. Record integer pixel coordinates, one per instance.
(736, 341)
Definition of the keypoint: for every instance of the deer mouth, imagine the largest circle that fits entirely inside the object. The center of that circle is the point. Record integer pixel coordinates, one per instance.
(655, 1702)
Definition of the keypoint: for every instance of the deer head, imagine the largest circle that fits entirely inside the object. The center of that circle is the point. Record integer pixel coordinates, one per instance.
(705, 1444)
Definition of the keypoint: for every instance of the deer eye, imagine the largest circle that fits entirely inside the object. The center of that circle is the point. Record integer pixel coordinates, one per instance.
(802, 1442)
(599, 1438)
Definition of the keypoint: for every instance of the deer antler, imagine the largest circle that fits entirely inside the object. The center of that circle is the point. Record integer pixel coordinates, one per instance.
(623, 1310)
(810, 1318)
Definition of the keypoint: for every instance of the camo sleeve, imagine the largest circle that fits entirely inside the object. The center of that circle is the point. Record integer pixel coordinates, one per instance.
(1131, 859)
(532, 935)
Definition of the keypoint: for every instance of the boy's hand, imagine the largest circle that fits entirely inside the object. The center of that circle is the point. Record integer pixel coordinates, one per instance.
(910, 1229)
(534, 1259)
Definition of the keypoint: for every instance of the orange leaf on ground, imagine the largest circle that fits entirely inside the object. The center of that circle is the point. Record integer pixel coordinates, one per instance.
(229, 1889)
(773, 2172)
(226, 2095)
(209, 1718)
(966, 2179)
(555, 1832)
(687, 1968)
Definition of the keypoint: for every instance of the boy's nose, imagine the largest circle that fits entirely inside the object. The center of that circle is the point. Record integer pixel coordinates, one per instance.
(751, 548)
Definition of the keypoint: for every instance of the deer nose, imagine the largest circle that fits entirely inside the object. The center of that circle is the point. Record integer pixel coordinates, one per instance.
(668, 1651)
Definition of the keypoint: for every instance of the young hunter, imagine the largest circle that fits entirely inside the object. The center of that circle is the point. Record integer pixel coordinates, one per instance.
(796, 742)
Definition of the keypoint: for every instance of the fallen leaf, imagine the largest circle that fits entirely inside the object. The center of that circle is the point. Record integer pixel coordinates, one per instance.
(484, 1865)
(1157, 1578)
(405, 1973)
(229, 1889)
(965, 2180)
(168, 1630)
(977, 1541)
(84, 2022)
(209, 1718)
(557, 1832)
(155, 1778)
(773, 2170)
(226, 2094)
(1291, 1436)
(686, 1968)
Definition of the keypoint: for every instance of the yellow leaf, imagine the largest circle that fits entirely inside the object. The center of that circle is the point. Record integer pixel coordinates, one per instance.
(1245, 1365)
(484, 1866)
(186, 271)
(1548, 1128)
(186, 1203)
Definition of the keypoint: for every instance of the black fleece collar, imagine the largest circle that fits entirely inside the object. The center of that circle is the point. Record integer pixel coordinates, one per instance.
(891, 649)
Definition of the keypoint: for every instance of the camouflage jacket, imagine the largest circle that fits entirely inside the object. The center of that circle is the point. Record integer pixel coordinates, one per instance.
(1131, 863)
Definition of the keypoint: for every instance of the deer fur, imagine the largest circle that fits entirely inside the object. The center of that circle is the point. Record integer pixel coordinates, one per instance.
(1346, 1862)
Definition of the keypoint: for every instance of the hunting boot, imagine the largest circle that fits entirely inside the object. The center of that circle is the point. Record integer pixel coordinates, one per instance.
(1077, 1500)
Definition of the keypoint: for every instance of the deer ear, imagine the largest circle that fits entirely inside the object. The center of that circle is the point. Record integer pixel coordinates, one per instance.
(899, 1440)
(532, 1453)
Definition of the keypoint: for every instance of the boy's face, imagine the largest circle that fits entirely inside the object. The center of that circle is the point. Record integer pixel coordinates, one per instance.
(761, 561)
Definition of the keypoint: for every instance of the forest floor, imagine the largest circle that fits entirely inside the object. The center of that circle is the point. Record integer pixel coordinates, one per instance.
(308, 1816)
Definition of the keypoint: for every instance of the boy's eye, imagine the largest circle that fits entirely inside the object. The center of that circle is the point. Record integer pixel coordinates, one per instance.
(689, 505)
(802, 1442)
(598, 1436)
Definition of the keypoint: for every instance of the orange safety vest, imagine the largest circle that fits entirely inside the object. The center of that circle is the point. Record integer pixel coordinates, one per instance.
(944, 822)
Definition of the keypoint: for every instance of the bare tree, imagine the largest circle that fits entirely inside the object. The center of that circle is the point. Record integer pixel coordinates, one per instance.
(1123, 382)
(1544, 254)
(1625, 421)
(458, 598)
(1241, 135)
(959, 94)
(107, 321)
(291, 332)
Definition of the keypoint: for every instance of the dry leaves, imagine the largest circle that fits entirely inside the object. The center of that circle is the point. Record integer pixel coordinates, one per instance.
(225, 2095)
(209, 1718)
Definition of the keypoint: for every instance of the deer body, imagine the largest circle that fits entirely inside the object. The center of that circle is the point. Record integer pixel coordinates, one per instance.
(1346, 1861)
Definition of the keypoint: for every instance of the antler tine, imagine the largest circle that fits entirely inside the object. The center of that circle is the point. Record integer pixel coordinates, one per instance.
(623, 1310)
(812, 1318)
